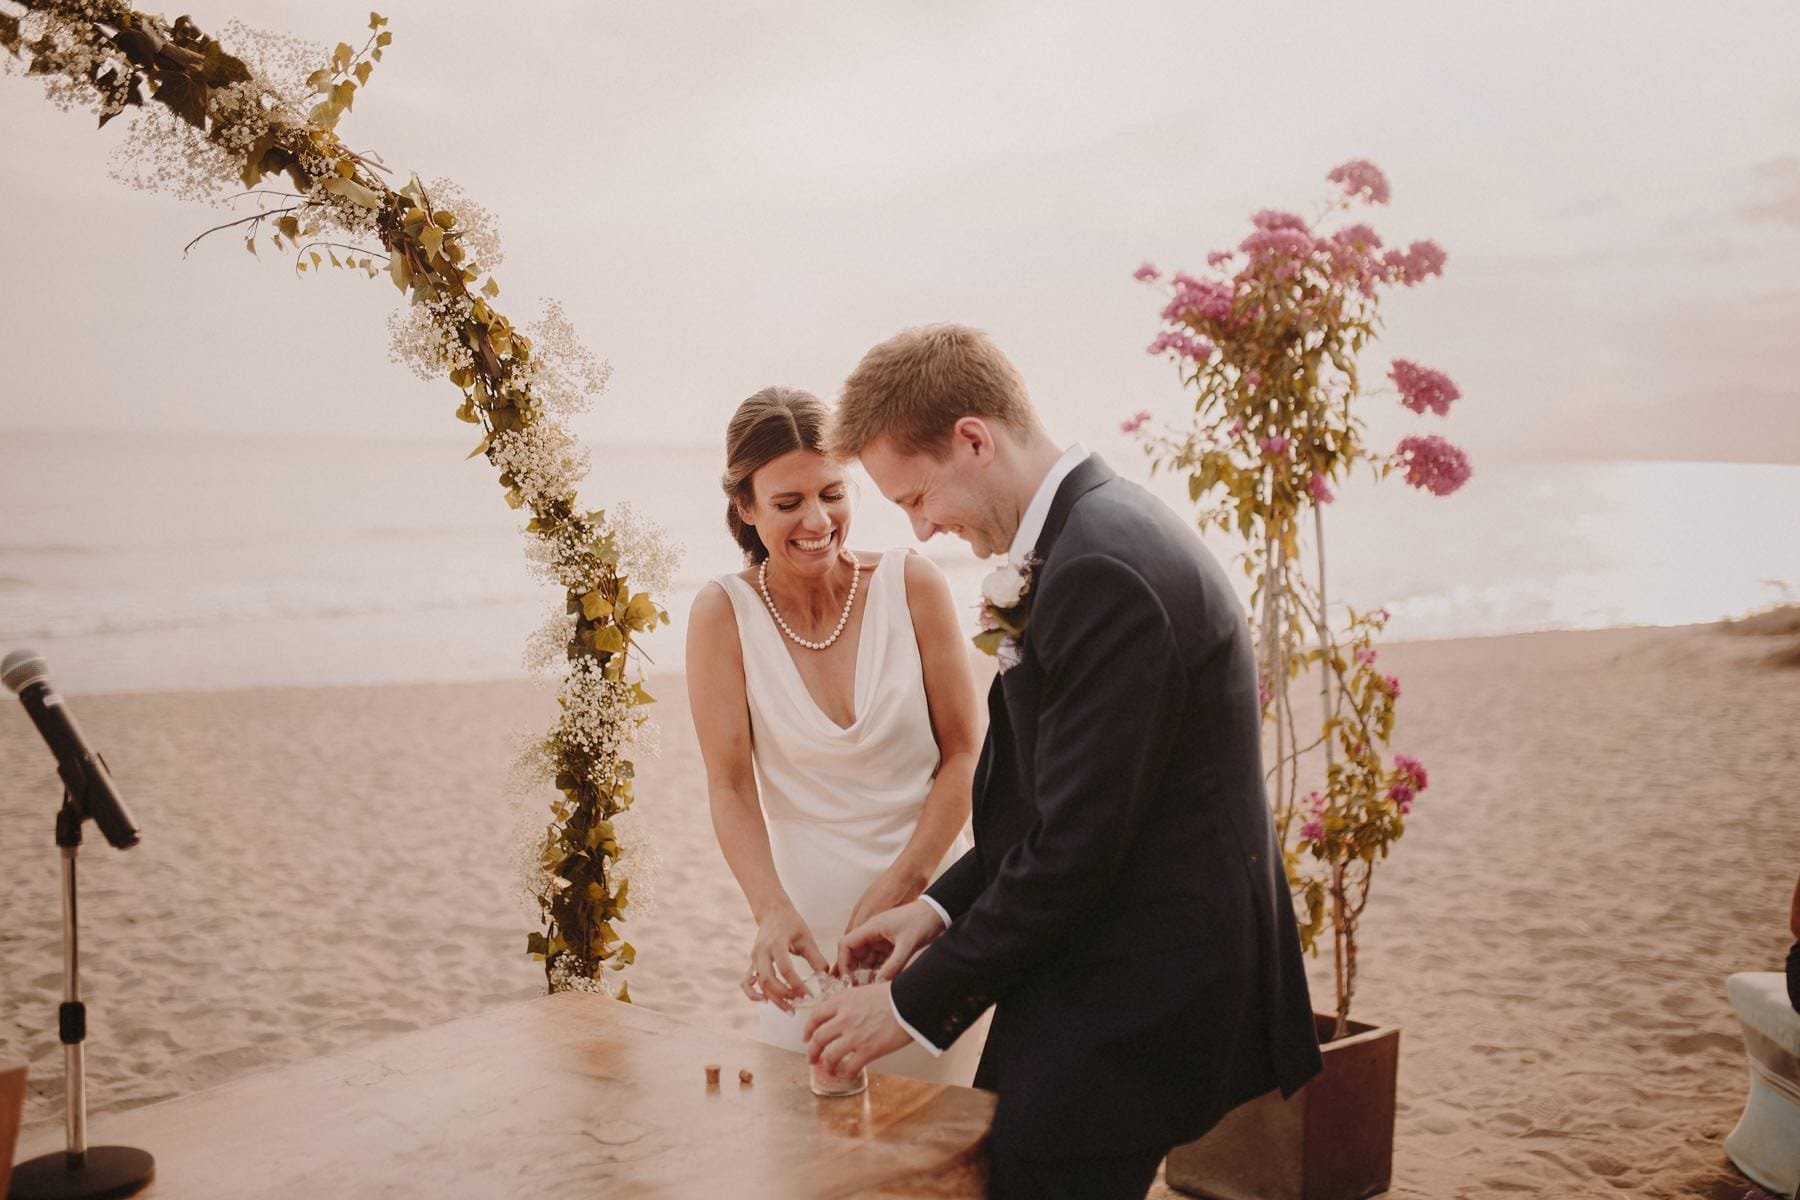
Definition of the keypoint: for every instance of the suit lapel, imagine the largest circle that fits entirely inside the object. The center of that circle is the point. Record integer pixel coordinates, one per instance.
(1089, 474)
(1019, 685)
(997, 742)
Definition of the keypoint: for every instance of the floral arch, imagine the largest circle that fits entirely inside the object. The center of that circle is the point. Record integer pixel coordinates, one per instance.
(218, 124)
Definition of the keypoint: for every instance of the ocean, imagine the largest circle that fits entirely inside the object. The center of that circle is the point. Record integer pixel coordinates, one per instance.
(138, 562)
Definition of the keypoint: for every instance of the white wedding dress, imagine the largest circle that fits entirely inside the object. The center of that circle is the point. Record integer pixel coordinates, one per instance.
(841, 802)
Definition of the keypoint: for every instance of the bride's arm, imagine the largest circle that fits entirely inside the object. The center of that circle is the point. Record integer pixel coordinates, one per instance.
(950, 697)
(716, 697)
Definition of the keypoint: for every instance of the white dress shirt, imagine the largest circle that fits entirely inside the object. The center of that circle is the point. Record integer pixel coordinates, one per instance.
(1031, 527)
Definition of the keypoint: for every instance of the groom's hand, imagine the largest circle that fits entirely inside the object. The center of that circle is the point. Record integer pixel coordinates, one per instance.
(852, 1029)
(890, 939)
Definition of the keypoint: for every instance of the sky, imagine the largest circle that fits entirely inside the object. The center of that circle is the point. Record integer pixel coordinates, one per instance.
(729, 196)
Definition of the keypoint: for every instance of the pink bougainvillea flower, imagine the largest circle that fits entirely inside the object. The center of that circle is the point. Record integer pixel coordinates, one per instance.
(1425, 259)
(1356, 237)
(1393, 685)
(1319, 490)
(1423, 388)
(1405, 806)
(1267, 245)
(1433, 464)
(1313, 831)
(1146, 273)
(1360, 177)
(1274, 218)
(1365, 654)
(1136, 422)
(1181, 343)
(1416, 264)
(1315, 802)
(1202, 302)
(1237, 429)
(1218, 258)
(1413, 768)
(1275, 445)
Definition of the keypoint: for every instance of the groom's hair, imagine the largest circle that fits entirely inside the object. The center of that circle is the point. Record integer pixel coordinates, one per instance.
(915, 386)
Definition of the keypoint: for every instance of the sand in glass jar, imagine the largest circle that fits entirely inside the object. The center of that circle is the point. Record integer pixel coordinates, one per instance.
(819, 987)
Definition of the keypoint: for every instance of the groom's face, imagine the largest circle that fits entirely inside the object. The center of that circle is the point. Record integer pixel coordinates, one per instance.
(947, 495)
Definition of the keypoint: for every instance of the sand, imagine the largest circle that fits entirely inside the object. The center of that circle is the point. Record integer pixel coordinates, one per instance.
(1609, 832)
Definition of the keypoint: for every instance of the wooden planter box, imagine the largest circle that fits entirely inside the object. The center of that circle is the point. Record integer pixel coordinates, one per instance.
(1331, 1140)
(12, 1111)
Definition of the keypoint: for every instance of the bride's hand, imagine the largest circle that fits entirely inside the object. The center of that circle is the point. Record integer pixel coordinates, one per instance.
(891, 890)
(780, 933)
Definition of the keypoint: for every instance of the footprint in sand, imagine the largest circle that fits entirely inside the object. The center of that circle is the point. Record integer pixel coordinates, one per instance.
(1703, 1043)
(1509, 1122)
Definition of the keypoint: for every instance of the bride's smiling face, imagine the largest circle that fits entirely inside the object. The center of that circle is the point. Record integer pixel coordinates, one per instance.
(800, 505)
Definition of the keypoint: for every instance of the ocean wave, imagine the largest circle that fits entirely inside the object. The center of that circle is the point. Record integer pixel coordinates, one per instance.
(265, 538)
(56, 548)
(47, 617)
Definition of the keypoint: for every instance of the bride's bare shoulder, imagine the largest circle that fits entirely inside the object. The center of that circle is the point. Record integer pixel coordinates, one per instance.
(712, 607)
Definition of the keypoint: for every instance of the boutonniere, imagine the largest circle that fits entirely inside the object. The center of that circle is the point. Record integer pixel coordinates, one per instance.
(1004, 612)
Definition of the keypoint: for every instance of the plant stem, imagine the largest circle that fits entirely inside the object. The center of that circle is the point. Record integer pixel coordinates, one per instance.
(1327, 645)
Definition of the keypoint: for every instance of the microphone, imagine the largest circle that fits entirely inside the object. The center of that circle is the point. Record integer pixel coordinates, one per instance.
(86, 777)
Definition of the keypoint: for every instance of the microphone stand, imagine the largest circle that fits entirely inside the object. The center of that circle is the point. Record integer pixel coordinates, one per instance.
(81, 1172)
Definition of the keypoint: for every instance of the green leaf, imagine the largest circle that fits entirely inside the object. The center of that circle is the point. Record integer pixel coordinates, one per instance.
(988, 640)
(485, 442)
(376, 21)
(185, 97)
(362, 72)
(320, 80)
(535, 943)
(595, 607)
(641, 613)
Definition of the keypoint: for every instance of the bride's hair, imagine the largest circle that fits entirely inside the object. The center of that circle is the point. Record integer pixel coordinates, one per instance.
(771, 423)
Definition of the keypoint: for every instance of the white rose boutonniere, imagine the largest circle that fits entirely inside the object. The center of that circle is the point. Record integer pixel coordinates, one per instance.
(1004, 612)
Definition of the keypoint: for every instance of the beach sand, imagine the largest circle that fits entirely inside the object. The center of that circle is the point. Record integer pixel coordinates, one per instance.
(1610, 831)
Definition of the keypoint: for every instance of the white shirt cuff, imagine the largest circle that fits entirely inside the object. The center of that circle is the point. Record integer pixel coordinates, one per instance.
(936, 908)
(912, 1033)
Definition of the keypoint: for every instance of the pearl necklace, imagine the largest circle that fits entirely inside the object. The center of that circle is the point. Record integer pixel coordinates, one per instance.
(762, 584)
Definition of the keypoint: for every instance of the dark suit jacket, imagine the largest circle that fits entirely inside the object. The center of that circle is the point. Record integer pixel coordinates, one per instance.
(1124, 907)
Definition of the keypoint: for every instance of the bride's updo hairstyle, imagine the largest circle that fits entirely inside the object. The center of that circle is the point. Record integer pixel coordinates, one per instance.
(771, 423)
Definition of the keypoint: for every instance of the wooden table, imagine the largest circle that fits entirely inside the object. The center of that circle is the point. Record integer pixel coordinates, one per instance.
(568, 1095)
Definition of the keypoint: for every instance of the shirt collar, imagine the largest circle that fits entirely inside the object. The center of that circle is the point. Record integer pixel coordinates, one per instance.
(1032, 523)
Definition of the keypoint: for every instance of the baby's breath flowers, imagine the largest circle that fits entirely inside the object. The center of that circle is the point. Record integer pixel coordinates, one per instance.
(263, 116)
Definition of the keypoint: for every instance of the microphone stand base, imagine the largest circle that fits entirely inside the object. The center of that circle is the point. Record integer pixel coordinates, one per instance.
(107, 1171)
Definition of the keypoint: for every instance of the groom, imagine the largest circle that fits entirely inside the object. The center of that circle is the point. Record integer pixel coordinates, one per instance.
(1124, 908)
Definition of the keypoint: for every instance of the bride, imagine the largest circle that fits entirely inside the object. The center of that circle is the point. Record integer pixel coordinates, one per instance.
(835, 708)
